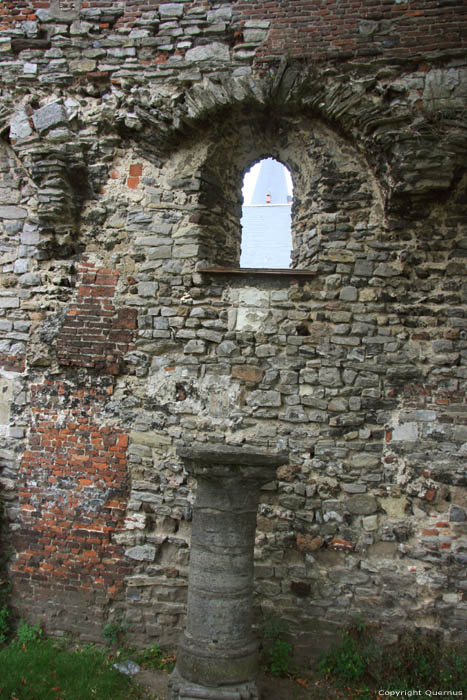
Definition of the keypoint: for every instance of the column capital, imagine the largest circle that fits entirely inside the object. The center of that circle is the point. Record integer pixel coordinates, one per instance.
(229, 462)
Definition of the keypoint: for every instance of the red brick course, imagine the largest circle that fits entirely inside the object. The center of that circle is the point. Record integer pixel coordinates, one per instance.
(72, 491)
(12, 363)
(339, 29)
(342, 29)
(95, 333)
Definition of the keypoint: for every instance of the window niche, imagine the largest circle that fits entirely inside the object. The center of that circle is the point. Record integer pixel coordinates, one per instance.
(333, 198)
(266, 216)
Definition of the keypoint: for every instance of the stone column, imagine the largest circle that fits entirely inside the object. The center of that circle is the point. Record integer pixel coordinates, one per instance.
(217, 656)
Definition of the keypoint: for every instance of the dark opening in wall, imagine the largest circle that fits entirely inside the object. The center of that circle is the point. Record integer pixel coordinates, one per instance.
(266, 216)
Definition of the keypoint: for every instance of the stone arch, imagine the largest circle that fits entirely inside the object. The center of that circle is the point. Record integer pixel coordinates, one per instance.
(398, 143)
(336, 197)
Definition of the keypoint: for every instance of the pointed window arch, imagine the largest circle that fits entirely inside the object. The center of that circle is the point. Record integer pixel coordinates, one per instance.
(266, 216)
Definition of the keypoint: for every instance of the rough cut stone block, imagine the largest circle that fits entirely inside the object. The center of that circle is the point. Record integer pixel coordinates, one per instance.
(49, 115)
(80, 28)
(250, 319)
(8, 196)
(365, 459)
(457, 514)
(85, 65)
(212, 336)
(12, 212)
(406, 431)
(44, 15)
(30, 68)
(148, 497)
(347, 576)
(266, 350)
(226, 348)
(385, 270)
(153, 241)
(9, 302)
(195, 347)
(20, 127)
(294, 414)
(171, 9)
(141, 552)
(247, 373)
(264, 398)
(147, 289)
(254, 35)
(30, 235)
(349, 294)
(30, 279)
(330, 376)
(257, 24)
(185, 251)
(5, 45)
(253, 297)
(151, 439)
(363, 268)
(6, 392)
(220, 14)
(309, 543)
(354, 488)
(420, 415)
(162, 252)
(211, 52)
(361, 504)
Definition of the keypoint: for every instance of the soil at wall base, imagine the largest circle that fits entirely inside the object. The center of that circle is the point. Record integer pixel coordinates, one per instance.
(269, 688)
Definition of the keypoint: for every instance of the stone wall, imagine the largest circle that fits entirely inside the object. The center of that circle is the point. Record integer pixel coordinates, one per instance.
(126, 130)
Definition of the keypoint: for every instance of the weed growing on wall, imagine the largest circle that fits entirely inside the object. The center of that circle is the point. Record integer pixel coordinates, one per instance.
(156, 659)
(5, 614)
(4, 623)
(115, 630)
(277, 650)
(28, 633)
(418, 661)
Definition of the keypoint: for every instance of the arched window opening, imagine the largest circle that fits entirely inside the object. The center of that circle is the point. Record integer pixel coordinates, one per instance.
(266, 216)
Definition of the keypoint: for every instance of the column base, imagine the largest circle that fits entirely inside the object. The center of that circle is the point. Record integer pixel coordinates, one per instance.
(217, 665)
(180, 689)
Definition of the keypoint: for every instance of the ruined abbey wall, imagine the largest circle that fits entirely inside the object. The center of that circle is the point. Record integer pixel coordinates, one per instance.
(126, 129)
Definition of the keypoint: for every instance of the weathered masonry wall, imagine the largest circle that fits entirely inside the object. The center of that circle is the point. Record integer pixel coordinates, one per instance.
(126, 129)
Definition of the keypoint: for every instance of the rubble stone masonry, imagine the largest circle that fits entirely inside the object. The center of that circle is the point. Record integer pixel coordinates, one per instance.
(128, 330)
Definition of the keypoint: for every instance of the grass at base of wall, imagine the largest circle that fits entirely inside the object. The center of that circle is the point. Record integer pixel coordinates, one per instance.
(45, 669)
(419, 664)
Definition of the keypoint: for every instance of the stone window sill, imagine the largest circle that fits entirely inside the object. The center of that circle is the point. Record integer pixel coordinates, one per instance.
(248, 271)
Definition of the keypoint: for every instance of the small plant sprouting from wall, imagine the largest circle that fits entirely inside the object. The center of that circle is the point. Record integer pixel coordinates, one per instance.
(114, 630)
(277, 650)
(156, 659)
(27, 633)
(4, 623)
(417, 660)
(5, 613)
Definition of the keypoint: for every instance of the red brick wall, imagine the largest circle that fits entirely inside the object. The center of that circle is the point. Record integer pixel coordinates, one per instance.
(72, 490)
(95, 334)
(316, 29)
(13, 11)
(12, 363)
(340, 27)
(72, 483)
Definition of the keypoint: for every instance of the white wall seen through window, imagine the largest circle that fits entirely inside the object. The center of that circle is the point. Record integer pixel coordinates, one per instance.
(266, 216)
